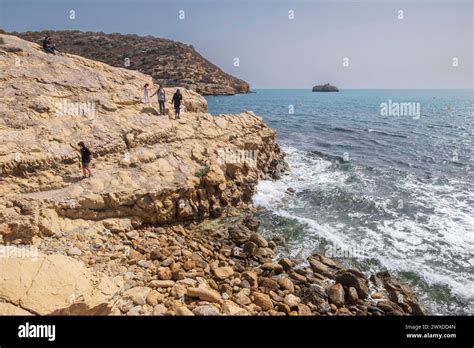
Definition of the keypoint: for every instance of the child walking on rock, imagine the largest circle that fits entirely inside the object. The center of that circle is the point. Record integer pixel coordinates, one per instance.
(85, 160)
(146, 91)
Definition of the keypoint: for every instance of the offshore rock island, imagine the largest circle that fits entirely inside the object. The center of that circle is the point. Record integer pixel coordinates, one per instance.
(325, 88)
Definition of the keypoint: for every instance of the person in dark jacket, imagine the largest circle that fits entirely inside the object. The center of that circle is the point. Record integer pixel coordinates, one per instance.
(85, 159)
(176, 101)
(48, 46)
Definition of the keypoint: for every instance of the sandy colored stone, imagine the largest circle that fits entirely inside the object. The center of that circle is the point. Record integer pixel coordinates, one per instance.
(159, 309)
(286, 284)
(292, 301)
(251, 277)
(154, 297)
(206, 310)
(231, 308)
(51, 282)
(162, 283)
(222, 273)
(138, 295)
(262, 300)
(184, 311)
(204, 294)
(336, 294)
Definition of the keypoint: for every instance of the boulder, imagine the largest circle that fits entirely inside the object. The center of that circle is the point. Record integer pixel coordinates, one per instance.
(204, 294)
(251, 277)
(242, 299)
(222, 273)
(231, 308)
(286, 263)
(239, 234)
(250, 248)
(161, 283)
(352, 295)
(153, 298)
(52, 282)
(268, 283)
(184, 311)
(377, 295)
(286, 284)
(336, 294)
(160, 309)
(164, 273)
(355, 279)
(400, 294)
(314, 294)
(263, 301)
(292, 301)
(327, 261)
(304, 310)
(258, 240)
(317, 266)
(271, 266)
(206, 310)
(138, 295)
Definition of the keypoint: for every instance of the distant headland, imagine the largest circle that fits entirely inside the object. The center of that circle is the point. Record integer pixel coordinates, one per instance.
(169, 62)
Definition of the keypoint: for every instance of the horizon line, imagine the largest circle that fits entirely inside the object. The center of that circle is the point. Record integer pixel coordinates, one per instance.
(364, 88)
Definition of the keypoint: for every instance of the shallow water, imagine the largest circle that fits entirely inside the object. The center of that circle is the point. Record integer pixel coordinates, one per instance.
(381, 192)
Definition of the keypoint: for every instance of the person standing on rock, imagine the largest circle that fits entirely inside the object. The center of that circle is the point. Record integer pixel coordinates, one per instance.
(146, 91)
(177, 97)
(160, 93)
(85, 159)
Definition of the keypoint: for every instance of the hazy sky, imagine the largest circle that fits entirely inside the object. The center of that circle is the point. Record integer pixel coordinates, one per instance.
(277, 52)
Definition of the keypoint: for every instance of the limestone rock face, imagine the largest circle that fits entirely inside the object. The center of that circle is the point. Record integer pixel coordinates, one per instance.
(49, 283)
(169, 62)
(146, 168)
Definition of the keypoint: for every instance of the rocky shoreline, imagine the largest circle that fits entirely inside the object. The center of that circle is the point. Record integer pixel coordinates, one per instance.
(165, 225)
(223, 267)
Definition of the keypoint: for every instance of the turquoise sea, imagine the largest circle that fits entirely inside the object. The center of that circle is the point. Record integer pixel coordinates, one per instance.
(380, 190)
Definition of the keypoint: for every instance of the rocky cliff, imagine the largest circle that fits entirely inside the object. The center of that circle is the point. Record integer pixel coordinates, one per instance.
(164, 225)
(146, 166)
(169, 62)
